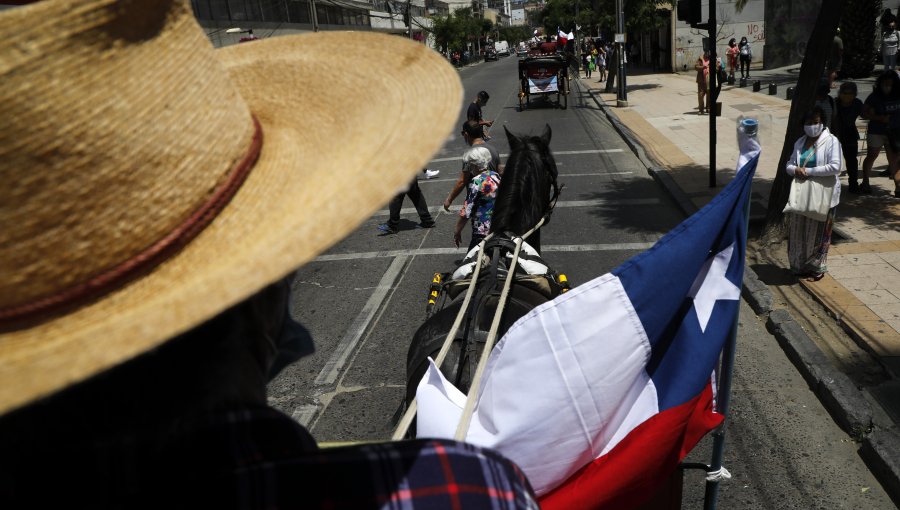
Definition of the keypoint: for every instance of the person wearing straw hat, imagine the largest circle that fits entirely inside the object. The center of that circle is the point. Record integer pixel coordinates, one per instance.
(158, 195)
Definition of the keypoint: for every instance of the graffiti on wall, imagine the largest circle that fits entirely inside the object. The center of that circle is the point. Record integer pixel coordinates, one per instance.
(689, 44)
(755, 33)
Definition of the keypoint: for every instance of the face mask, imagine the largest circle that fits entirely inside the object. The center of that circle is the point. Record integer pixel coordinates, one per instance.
(814, 130)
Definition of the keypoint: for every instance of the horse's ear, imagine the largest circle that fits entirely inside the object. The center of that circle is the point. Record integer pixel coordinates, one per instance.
(514, 141)
(545, 136)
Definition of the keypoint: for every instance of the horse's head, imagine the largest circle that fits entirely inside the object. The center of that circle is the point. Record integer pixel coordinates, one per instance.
(528, 187)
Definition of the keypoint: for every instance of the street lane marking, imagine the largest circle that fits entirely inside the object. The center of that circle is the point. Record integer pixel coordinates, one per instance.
(555, 153)
(562, 203)
(345, 348)
(304, 414)
(461, 251)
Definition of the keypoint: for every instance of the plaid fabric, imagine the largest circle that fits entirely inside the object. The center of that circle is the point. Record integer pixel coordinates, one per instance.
(262, 459)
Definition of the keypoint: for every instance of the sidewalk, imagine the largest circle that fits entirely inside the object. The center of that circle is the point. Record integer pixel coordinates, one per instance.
(862, 288)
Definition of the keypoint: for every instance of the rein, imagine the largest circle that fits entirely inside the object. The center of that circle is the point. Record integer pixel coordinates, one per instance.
(406, 421)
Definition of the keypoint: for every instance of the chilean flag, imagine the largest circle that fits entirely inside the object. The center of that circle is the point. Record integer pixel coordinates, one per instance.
(600, 393)
(561, 36)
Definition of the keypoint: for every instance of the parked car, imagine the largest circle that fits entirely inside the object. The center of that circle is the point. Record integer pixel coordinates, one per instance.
(490, 54)
(522, 53)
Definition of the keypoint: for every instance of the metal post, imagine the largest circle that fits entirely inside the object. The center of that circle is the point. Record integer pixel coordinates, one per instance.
(723, 396)
(622, 99)
(409, 17)
(711, 95)
(314, 16)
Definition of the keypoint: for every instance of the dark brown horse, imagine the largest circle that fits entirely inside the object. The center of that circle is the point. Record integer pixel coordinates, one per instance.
(527, 193)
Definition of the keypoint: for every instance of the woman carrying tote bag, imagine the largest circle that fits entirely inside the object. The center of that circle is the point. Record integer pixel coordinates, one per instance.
(815, 160)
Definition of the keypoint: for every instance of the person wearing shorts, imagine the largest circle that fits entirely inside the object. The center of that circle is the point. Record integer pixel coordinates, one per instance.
(882, 109)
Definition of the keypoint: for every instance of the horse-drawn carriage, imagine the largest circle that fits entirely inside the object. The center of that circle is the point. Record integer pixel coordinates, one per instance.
(544, 74)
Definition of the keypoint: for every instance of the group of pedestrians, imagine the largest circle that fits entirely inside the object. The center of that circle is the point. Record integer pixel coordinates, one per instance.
(739, 54)
(594, 58)
(479, 177)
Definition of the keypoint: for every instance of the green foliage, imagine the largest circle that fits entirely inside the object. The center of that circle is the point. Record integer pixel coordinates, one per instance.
(452, 32)
(594, 15)
(514, 35)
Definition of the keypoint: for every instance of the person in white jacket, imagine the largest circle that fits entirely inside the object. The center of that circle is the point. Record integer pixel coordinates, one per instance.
(816, 154)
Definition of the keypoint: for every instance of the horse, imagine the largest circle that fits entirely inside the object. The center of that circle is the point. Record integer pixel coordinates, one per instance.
(528, 189)
(527, 193)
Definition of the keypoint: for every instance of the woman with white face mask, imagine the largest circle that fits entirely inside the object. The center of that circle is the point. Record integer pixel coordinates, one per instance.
(816, 154)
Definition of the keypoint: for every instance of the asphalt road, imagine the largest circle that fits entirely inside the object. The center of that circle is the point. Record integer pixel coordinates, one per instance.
(364, 298)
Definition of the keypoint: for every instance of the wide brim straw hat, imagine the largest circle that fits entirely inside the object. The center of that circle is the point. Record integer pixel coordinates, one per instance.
(151, 181)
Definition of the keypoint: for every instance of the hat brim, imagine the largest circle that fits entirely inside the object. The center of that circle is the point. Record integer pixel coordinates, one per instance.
(338, 141)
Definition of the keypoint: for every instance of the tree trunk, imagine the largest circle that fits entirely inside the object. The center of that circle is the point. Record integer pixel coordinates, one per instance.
(817, 50)
(858, 34)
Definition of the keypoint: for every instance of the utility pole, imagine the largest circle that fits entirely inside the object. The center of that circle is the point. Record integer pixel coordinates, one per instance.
(313, 17)
(711, 93)
(622, 96)
(408, 17)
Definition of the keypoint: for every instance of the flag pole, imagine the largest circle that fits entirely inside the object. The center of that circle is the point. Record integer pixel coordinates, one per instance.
(716, 473)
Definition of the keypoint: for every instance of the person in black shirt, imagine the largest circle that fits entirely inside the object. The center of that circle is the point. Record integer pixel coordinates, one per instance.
(847, 109)
(882, 108)
(474, 112)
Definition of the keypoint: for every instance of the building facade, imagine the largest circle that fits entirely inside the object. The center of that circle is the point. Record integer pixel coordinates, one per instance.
(228, 21)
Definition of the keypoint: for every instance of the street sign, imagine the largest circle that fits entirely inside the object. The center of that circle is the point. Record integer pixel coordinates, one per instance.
(620, 38)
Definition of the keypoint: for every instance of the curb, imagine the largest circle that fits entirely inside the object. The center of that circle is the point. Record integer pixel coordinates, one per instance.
(880, 449)
(837, 392)
(881, 452)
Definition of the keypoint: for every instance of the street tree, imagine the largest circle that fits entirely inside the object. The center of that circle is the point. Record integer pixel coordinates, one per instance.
(858, 25)
(817, 50)
(456, 30)
(514, 35)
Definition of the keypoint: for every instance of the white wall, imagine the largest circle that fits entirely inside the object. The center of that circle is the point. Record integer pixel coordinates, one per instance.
(749, 23)
(517, 17)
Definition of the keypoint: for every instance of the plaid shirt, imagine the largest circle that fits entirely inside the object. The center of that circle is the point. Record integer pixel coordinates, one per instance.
(262, 459)
(268, 462)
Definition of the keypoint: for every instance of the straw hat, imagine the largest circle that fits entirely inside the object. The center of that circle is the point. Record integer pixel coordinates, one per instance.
(150, 181)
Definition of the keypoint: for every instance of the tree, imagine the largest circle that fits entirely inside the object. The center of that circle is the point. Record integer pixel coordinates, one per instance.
(514, 35)
(817, 50)
(858, 34)
(454, 31)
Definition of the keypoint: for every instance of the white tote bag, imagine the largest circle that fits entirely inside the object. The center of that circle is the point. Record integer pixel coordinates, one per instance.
(811, 197)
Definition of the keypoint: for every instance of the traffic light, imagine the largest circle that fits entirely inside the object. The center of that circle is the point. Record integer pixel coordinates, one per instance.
(690, 11)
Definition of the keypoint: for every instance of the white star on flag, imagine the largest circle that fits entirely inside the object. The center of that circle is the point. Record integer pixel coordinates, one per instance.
(711, 286)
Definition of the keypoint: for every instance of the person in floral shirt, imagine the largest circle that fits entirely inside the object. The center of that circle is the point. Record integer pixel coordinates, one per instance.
(482, 190)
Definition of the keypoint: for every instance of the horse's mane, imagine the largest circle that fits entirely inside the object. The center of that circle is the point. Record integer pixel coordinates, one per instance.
(528, 187)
